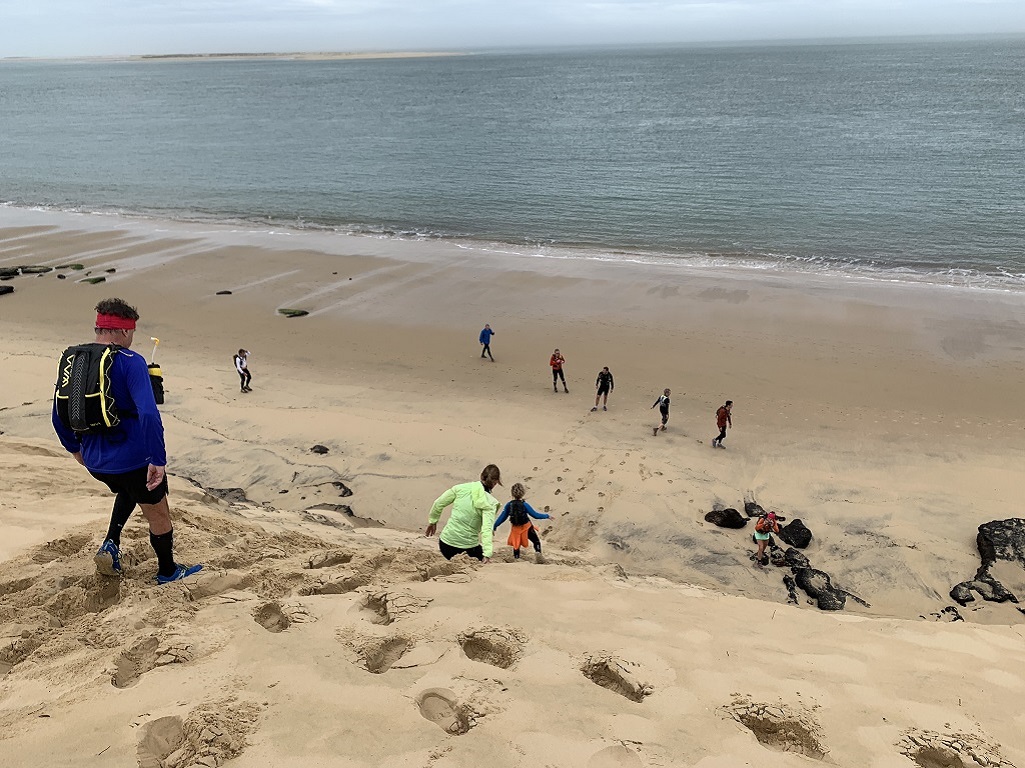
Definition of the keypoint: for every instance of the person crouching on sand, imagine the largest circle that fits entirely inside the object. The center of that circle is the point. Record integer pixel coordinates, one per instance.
(663, 407)
(764, 528)
(518, 512)
(470, 526)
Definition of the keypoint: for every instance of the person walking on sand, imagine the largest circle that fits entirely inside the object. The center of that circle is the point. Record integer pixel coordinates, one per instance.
(723, 418)
(764, 528)
(130, 457)
(518, 512)
(242, 368)
(557, 362)
(603, 385)
(663, 407)
(470, 526)
(485, 341)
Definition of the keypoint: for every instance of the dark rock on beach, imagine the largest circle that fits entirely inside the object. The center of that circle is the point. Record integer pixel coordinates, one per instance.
(94, 280)
(796, 559)
(796, 534)
(319, 449)
(1002, 540)
(62, 277)
(40, 270)
(293, 312)
(726, 518)
(224, 293)
(753, 509)
(819, 587)
(9, 272)
(4, 289)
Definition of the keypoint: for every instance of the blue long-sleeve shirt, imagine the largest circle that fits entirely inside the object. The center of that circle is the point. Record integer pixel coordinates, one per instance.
(485, 336)
(530, 511)
(138, 440)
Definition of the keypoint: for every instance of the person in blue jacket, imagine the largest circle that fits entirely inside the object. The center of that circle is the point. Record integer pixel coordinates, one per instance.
(130, 458)
(519, 513)
(485, 342)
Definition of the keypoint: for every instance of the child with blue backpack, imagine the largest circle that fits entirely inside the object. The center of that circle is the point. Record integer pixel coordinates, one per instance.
(519, 513)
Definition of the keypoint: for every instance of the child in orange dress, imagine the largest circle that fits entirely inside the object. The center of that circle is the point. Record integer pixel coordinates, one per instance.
(523, 532)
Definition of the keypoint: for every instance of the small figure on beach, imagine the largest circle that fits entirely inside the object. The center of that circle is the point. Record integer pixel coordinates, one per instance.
(125, 448)
(242, 368)
(663, 407)
(485, 341)
(723, 418)
(518, 512)
(764, 528)
(603, 385)
(470, 526)
(557, 362)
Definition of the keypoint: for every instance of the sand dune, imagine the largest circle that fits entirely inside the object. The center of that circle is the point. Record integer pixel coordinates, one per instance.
(325, 630)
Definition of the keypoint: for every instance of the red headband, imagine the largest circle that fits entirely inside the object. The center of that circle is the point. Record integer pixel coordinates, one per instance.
(113, 322)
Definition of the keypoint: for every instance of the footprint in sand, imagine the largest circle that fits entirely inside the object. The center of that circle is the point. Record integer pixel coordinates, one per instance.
(499, 647)
(388, 607)
(135, 662)
(440, 706)
(381, 655)
(616, 756)
(617, 675)
(929, 749)
(781, 727)
(271, 617)
(160, 738)
(328, 559)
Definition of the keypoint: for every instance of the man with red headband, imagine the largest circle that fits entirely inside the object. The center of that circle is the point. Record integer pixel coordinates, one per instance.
(130, 458)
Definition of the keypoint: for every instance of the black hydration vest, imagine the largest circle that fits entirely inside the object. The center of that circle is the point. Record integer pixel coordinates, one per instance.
(518, 512)
(82, 395)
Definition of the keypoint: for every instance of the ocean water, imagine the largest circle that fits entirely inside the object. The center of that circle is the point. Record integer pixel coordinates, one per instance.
(892, 160)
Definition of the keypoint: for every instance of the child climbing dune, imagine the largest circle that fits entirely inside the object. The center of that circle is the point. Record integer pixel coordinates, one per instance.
(523, 532)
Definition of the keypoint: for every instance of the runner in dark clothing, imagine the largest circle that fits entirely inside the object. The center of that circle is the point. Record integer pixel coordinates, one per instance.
(603, 385)
(663, 407)
(557, 362)
(723, 417)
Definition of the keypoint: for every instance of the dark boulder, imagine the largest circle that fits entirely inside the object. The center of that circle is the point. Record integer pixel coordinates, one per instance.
(1002, 540)
(796, 534)
(753, 509)
(791, 586)
(997, 540)
(293, 312)
(6, 289)
(10, 271)
(819, 587)
(726, 518)
(224, 293)
(796, 559)
(35, 270)
(319, 449)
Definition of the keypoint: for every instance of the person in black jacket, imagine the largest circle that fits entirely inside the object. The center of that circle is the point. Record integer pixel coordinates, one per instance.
(603, 385)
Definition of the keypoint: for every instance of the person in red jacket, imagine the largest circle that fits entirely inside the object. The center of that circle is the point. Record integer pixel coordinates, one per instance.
(557, 362)
(723, 418)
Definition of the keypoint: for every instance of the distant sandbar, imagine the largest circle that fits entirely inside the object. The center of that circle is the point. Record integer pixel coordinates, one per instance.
(299, 56)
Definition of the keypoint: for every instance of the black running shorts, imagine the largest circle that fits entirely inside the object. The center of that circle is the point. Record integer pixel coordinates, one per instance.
(133, 485)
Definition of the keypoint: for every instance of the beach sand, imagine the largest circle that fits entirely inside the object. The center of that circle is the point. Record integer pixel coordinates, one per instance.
(326, 630)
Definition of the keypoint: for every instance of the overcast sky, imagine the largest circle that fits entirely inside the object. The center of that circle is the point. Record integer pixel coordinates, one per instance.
(118, 27)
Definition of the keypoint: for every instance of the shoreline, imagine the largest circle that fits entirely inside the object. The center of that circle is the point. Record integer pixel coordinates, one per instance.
(753, 266)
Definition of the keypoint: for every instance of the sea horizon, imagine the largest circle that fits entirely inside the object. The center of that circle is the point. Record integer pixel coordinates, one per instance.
(897, 160)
